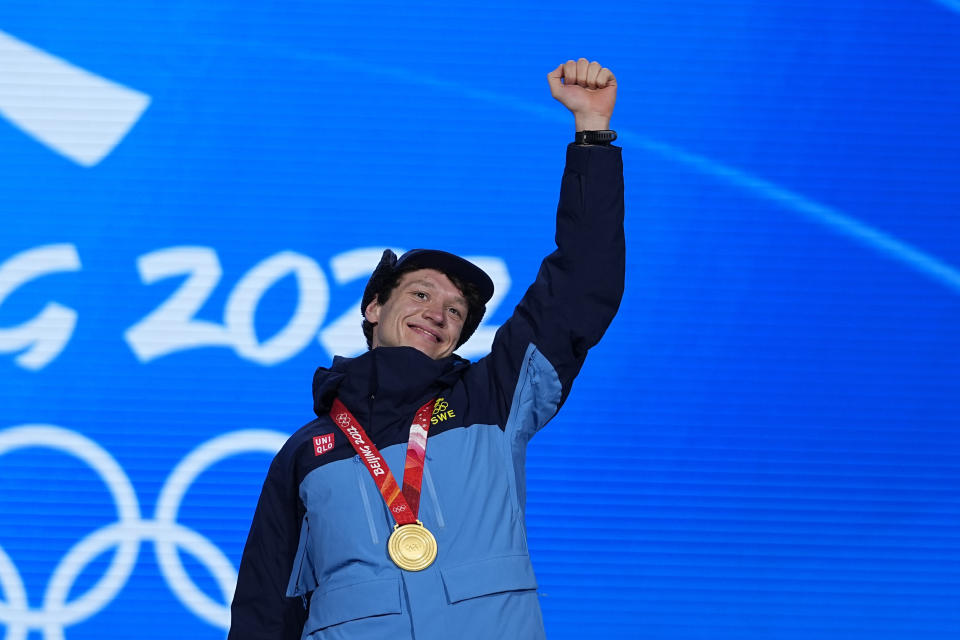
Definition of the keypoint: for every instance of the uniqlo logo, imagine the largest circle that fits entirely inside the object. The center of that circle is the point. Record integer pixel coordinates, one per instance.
(322, 444)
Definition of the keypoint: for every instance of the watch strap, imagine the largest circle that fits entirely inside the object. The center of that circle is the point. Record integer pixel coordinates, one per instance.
(601, 136)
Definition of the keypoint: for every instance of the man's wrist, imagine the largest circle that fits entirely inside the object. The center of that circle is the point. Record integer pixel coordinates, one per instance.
(591, 121)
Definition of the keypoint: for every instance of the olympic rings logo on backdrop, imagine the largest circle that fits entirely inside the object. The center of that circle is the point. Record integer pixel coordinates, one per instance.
(126, 534)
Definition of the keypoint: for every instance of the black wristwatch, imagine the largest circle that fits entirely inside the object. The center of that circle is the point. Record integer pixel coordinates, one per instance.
(602, 136)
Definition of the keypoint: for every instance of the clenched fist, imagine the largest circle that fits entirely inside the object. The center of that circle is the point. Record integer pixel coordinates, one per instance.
(587, 89)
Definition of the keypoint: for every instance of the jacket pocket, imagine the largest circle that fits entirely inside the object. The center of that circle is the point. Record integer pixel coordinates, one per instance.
(484, 577)
(353, 602)
(303, 577)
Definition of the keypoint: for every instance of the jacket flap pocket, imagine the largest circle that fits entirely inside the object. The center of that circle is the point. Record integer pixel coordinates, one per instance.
(302, 577)
(493, 575)
(354, 601)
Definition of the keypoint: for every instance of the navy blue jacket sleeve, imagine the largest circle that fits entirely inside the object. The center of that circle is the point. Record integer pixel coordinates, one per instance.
(578, 287)
(260, 609)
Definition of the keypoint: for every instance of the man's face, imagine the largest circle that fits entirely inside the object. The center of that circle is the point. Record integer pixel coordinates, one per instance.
(425, 311)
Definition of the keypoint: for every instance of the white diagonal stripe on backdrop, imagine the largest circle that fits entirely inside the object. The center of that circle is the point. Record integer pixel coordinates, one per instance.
(833, 219)
(70, 110)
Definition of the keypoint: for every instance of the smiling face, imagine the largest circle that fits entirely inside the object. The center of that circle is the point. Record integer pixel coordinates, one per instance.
(424, 311)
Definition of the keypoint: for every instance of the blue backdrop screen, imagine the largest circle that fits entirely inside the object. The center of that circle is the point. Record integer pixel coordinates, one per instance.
(765, 445)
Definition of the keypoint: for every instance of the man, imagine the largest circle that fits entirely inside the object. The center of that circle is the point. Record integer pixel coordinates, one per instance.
(337, 549)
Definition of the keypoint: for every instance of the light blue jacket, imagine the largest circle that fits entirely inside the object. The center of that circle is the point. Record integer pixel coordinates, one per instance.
(315, 565)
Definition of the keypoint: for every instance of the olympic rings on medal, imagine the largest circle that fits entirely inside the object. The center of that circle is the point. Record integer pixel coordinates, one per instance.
(126, 534)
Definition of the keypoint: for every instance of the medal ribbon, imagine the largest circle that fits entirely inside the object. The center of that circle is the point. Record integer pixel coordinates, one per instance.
(404, 503)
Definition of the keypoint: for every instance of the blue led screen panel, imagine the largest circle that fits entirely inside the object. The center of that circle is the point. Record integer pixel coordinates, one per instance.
(764, 445)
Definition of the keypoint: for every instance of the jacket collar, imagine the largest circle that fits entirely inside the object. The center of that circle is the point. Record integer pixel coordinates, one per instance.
(385, 383)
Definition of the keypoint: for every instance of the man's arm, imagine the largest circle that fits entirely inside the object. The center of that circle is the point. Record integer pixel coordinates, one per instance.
(260, 609)
(539, 351)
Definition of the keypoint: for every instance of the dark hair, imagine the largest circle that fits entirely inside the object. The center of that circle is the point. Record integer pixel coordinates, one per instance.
(470, 292)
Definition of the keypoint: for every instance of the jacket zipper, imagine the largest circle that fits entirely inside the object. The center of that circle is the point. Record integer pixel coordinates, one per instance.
(432, 490)
(361, 473)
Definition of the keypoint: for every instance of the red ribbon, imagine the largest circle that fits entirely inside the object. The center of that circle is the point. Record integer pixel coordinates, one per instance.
(404, 503)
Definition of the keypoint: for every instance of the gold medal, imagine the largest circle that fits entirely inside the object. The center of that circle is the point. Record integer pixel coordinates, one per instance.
(412, 547)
